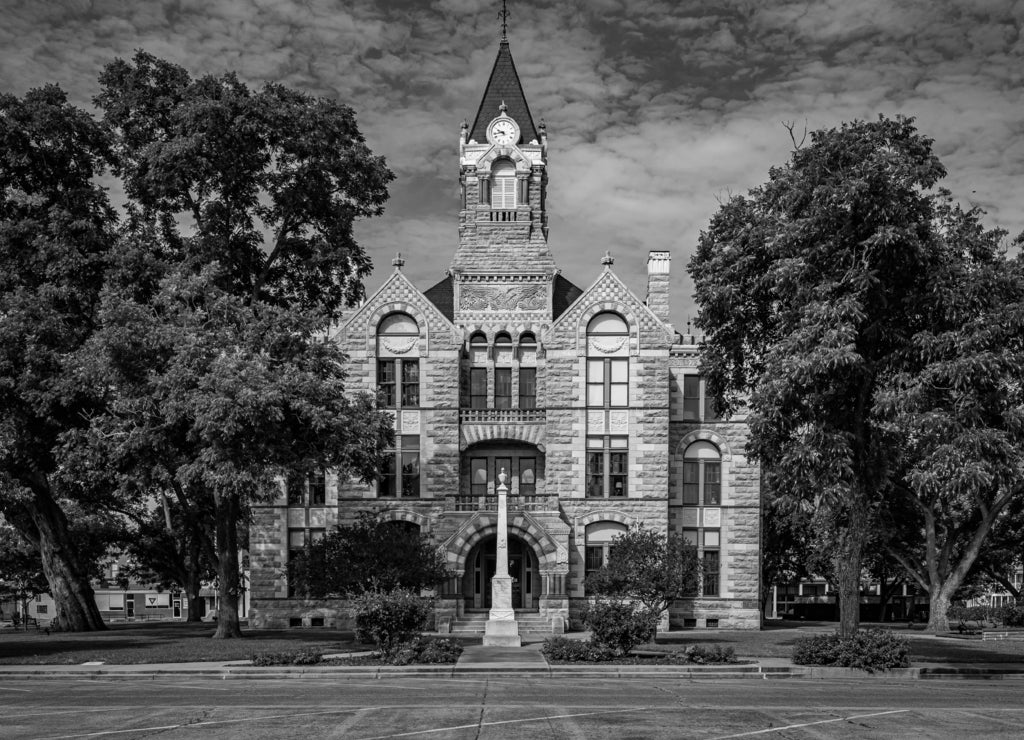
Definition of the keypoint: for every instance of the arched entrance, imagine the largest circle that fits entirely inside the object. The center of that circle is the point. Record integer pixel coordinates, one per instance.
(522, 566)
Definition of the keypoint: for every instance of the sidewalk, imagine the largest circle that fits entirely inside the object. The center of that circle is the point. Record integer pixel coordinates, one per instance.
(527, 661)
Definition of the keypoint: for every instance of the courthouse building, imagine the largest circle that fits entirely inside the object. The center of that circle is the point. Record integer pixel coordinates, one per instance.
(582, 392)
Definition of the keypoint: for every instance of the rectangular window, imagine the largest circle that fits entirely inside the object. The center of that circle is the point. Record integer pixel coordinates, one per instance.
(594, 558)
(478, 388)
(116, 602)
(503, 388)
(690, 537)
(478, 476)
(40, 608)
(410, 383)
(691, 483)
(711, 568)
(388, 484)
(608, 383)
(296, 490)
(712, 483)
(618, 382)
(527, 387)
(618, 473)
(502, 463)
(691, 397)
(410, 466)
(318, 489)
(386, 383)
(527, 476)
(607, 467)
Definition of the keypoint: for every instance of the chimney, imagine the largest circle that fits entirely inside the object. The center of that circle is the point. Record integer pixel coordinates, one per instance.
(658, 284)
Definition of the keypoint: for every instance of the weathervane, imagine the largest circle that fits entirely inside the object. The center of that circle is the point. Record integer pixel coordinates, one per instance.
(504, 14)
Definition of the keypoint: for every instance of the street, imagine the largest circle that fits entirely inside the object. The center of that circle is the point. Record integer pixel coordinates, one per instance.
(462, 709)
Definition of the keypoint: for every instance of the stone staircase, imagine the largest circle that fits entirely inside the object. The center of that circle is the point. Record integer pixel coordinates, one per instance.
(531, 624)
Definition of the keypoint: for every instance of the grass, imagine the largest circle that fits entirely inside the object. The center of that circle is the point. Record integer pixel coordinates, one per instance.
(161, 642)
(166, 642)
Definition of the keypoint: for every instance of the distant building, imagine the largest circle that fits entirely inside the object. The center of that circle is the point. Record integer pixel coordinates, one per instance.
(586, 397)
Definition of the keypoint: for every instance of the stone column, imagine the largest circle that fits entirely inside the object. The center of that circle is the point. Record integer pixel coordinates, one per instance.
(502, 629)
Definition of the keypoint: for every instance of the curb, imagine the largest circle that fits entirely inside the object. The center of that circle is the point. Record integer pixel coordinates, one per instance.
(757, 672)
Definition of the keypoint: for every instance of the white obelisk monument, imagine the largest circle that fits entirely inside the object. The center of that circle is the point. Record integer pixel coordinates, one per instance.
(502, 628)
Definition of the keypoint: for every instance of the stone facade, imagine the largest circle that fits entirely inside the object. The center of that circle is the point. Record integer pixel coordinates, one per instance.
(587, 398)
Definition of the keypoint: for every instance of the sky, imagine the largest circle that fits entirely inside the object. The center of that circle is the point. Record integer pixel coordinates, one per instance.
(656, 111)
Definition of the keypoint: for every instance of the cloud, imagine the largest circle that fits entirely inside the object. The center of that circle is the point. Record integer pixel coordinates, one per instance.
(655, 108)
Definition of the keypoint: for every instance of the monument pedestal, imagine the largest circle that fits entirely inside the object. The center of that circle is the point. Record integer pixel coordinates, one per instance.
(502, 629)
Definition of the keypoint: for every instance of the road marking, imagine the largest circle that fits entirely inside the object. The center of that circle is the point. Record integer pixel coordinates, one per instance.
(811, 724)
(546, 718)
(27, 691)
(69, 711)
(207, 723)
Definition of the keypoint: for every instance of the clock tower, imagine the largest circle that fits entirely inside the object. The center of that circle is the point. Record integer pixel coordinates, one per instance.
(503, 259)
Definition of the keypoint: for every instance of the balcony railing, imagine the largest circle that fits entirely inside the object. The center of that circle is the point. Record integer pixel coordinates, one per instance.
(502, 416)
(490, 503)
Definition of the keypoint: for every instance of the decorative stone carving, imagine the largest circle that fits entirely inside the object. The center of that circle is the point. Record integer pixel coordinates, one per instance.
(618, 422)
(607, 346)
(496, 298)
(595, 422)
(398, 346)
(712, 517)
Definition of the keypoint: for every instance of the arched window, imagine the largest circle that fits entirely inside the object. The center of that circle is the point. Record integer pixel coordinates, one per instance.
(600, 540)
(527, 371)
(398, 367)
(702, 475)
(398, 387)
(503, 375)
(607, 389)
(503, 189)
(478, 373)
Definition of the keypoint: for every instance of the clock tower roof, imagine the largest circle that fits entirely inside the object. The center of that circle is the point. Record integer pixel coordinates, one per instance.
(504, 87)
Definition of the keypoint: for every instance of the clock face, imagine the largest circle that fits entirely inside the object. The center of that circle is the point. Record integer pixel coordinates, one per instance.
(504, 131)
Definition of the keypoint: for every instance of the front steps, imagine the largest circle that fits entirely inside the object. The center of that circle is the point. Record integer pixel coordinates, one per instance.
(531, 624)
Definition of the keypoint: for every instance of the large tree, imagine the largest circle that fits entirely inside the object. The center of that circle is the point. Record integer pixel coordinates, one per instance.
(810, 289)
(56, 233)
(241, 207)
(958, 409)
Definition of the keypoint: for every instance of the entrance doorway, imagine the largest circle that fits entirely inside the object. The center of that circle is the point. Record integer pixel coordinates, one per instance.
(481, 565)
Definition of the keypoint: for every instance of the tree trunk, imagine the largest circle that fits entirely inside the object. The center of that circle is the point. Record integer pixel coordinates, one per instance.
(938, 606)
(193, 582)
(227, 566)
(847, 565)
(69, 587)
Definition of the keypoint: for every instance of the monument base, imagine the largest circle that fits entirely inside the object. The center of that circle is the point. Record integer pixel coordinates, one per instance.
(502, 630)
(502, 633)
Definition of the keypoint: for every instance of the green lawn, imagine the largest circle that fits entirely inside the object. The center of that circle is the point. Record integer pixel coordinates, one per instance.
(181, 643)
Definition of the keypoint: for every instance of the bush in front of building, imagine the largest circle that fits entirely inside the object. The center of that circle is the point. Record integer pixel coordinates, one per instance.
(619, 626)
(700, 655)
(390, 618)
(418, 650)
(575, 651)
(306, 656)
(871, 650)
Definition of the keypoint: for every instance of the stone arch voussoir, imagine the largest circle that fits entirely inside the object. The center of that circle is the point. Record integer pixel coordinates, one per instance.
(544, 547)
(384, 309)
(619, 307)
(705, 435)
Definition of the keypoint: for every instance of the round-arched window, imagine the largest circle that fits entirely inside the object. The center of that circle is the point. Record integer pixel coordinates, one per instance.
(702, 474)
(398, 369)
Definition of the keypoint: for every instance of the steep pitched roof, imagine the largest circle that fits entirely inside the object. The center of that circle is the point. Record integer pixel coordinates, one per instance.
(504, 86)
(442, 296)
(564, 294)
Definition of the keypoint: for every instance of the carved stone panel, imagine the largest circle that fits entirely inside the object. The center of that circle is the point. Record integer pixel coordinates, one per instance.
(503, 298)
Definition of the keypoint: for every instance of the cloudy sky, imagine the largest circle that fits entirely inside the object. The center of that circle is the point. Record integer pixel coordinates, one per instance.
(655, 109)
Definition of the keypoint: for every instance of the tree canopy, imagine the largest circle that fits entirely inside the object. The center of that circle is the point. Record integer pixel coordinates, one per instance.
(814, 290)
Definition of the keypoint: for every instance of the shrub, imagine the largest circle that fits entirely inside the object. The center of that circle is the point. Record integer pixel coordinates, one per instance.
(703, 655)
(1013, 615)
(443, 650)
(620, 626)
(870, 650)
(388, 619)
(305, 656)
(575, 651)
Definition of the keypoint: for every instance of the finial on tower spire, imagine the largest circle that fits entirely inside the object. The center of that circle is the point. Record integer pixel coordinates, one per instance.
(398, 261)
(504, 14)
(607, 260)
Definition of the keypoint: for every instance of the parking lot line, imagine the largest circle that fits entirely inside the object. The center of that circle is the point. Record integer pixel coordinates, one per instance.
(810, 724)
